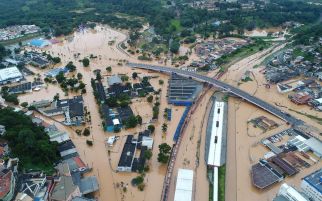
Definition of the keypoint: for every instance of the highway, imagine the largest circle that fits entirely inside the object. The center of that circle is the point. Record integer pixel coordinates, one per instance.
(225, 87)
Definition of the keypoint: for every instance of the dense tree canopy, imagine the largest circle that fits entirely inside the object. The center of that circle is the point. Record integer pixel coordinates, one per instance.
(61, 17)
(26, 140)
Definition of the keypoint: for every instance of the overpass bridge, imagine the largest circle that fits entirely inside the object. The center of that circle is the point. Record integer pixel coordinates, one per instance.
(225, 87)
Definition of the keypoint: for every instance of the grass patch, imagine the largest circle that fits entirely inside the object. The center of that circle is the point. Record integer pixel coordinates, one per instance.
(247, 79)
(315, 118)
(307, 56)
(226, 60)
(47, 169)
(221, 183)
(176, 24)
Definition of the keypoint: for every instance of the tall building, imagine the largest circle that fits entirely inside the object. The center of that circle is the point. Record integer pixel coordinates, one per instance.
(312, 185)
(288, 193)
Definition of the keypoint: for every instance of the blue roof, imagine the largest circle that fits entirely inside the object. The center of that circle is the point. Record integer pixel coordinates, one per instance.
(315, 180)
(39, 42)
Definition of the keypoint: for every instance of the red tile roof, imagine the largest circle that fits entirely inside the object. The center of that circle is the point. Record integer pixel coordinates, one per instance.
(5, 182)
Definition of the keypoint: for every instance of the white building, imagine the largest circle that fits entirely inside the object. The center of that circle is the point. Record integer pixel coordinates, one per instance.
(312, 186)
(315, 146)
(184, 185)
(290, 193)
(11, 74)
(216, 130)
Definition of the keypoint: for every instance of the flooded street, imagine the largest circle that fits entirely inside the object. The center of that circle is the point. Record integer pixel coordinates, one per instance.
(242, 147)
(104, 162)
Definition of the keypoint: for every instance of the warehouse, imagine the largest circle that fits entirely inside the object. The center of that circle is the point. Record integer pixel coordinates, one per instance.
(184, 185)
(8, 75)
(183, 91)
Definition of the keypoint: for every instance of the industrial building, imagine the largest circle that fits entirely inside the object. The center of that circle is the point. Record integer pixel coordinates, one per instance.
(128, 162)
(183, 91)
(184, 185)
(9, 75)
(216, 135)
(312, 186)
(288, 193)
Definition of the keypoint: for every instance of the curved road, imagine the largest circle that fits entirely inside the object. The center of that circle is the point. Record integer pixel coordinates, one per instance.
(226, 87)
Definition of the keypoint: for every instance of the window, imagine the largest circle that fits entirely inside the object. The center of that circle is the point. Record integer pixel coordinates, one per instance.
(217, 124)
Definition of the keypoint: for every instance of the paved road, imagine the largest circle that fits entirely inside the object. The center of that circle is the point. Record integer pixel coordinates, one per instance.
(226, 87)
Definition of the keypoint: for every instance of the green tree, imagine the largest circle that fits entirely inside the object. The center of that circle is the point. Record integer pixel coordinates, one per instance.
(26, 140)
(60, 77)
(109, 69)
(24, 104)
(164, 127)
(71, 67)
(150, 99)
(139, 119)
(85, 62)
(134, 75)
(56, 60)
(124, 78)
(161, 82)
(79, 76)
(151, 128)
(86, 132)
(148, 154)
(131, 122)
(98, 76)
(174, 47)
(164, 153)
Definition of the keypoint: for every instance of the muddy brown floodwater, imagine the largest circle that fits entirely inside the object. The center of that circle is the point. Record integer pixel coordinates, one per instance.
(243, 145)
(104, 165)
(243, 149)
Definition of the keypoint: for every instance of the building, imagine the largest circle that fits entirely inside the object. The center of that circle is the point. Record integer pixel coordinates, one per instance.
(67, 148)
(9, 75)
(114, 117)
(128, 162)
(264, 174)
(39, 62)
(2, 129)
(64, 189)
(7, 185)
(288, 193)
(216, 135)
(56, 135)
(184, 185)
(73, 110)
(182, 91)
(300, 98)
(312, 186)
(315, 146)
(114, 80)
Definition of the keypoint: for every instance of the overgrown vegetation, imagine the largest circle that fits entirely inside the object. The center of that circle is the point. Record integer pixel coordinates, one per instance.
(62, 17)
(164, 153)
(28, 142)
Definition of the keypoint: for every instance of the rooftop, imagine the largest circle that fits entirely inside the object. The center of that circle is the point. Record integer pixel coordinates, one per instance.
(114, 79)
(315, 180)
(64, 188)
(9, 73)
(5, 182)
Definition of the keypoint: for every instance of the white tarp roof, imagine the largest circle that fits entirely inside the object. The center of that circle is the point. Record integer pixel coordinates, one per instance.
(184, 185)
(9, 73)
